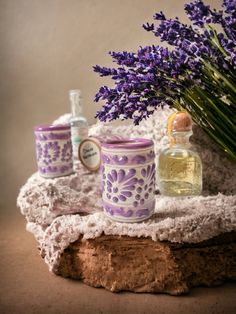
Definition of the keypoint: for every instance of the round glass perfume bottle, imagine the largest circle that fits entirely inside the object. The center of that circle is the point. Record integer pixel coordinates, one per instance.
(179, 166)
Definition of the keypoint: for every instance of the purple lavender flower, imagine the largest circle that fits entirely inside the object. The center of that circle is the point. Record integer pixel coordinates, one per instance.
(230, 6)
(125, 58)
(159, 16)
(200, 66)
(104, 71)
(135, 94)
(149, 27)
(199, 13)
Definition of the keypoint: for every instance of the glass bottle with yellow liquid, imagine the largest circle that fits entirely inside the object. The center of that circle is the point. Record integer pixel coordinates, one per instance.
(179, 166)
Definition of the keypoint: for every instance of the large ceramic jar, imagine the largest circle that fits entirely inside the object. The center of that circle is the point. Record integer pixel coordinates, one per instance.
(128, 179)
(53, 150)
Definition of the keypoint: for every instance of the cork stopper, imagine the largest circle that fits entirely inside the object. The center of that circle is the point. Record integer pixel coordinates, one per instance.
(179, 122)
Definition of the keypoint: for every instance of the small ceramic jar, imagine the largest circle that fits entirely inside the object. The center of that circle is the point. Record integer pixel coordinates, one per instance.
(53, 150)
(128, 179)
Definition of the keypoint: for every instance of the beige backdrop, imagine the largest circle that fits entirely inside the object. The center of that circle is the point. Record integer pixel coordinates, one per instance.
(49, 47)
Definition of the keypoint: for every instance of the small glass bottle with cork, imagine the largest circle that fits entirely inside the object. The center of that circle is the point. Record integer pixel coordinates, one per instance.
(179, 166)
(78, 123)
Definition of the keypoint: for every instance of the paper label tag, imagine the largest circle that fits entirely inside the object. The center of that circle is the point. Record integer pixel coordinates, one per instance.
(90, 153)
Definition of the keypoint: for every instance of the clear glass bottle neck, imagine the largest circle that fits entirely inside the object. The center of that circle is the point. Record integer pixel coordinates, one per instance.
(76, 103)
(180, 138)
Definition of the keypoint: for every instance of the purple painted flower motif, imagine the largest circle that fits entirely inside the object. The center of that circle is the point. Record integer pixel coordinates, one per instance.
(118, 211)
(39, 151)
(42, 169)
(51, 169)
(105, 159)
(58, 136)
(149, 172)
(51, 152)
(142, 212)
(41, 137)
(120, 160)
(109, 210)
(150, 156)
(120, 184)
(64, 169)
(139, 159)
(66, 153)
(121, 212)
(143, 192)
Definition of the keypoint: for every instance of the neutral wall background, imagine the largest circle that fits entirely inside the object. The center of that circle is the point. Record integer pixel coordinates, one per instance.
(49, 47)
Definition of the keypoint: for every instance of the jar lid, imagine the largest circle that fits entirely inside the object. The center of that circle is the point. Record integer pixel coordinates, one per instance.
(48, 127)
(134, 143)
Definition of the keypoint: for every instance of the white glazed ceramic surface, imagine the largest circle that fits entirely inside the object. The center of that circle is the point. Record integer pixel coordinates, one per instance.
(54, 152)
(128, 182)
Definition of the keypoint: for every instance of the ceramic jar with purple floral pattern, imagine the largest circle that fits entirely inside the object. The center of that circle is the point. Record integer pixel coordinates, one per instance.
(53, 150)
(128, 179)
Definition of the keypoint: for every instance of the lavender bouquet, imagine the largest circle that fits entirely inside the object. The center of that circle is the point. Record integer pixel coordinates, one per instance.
(197, 73)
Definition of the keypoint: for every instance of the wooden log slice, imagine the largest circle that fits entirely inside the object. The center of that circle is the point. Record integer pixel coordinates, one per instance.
(142, 265)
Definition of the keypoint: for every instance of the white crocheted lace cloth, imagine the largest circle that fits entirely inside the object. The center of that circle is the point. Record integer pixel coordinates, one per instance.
(60, 210)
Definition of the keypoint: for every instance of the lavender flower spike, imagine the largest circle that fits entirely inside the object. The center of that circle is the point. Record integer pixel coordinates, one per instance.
(200, 68)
